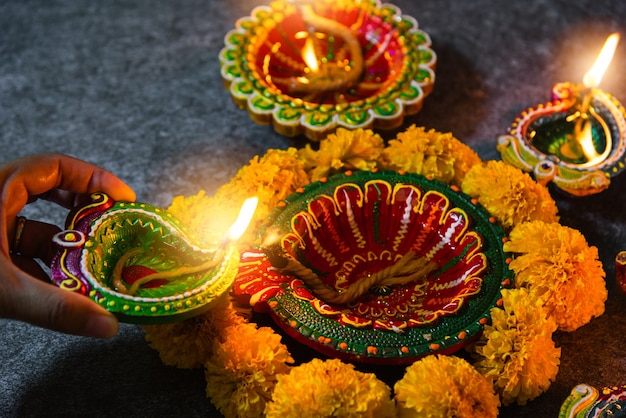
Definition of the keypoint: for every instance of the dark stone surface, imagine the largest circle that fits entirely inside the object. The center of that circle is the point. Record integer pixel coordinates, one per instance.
(135, 87)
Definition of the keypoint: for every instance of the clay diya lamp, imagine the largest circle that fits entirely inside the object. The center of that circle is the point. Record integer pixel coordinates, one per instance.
(377, 267)
(141, 263)
(587, 401)
(577, 140)
(309, 67)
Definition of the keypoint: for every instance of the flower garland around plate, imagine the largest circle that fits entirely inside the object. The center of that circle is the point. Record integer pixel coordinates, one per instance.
(559, 284)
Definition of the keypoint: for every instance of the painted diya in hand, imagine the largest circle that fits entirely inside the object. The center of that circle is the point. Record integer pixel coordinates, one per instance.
(377, 267)
(309, 67)
(139, 262)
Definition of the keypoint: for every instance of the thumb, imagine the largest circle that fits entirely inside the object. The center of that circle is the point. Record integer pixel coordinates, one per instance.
(48, 306)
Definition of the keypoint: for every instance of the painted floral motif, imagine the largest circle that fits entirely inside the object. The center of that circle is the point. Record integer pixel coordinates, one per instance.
(353, 226)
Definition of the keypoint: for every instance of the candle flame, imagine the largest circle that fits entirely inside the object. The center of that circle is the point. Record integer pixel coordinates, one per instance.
(243, 219)
(586, 143)
(593, 77)
(308, 55)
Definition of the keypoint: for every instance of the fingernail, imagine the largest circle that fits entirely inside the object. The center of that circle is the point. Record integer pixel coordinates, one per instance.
(101, 326)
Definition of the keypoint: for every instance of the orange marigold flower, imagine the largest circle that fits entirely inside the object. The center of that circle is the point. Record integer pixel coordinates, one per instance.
(508, 193)
(188, 344)
(429, 153)
(445, 386)
(329, 388)
(344, 150)
(271, 178)
(516, 351)
(242, 373)
(559, 268)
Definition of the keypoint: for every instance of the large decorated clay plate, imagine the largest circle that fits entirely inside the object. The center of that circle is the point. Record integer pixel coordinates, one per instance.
(139, 262)
(378, 267)
(310, 67)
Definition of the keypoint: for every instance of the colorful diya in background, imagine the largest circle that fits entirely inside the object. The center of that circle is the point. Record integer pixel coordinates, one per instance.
(308, 67)
(140, 263)
(578, 140)
(588, 402)
(377, 267)
(620, 270)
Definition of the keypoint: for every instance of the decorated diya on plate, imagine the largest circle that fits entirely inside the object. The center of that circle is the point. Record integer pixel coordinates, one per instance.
(139, 262)
(308, 67)
(377, 267)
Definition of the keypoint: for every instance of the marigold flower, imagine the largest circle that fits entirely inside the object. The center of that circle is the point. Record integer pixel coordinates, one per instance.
(242, 373)
(329, 388)
(516, 351)
(188, 344)
(561, 270)
(445, 386)
(344, 150)
(429, 153)
(509, 194)
(271, 178)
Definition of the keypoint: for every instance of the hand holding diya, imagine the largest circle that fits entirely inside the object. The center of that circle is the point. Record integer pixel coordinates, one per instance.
(578, 140)
(140, 263)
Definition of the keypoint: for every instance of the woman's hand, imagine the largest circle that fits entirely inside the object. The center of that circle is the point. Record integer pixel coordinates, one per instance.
(25, 294)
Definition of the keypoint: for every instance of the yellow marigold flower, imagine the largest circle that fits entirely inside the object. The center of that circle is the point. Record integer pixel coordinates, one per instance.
(344, 150)
(559, 268)
(207, 217)
(242, 373)
(329, 388)
(516, 351)
(508, 193)
(188, 344)
(445, 386)
(271, 178)
(429, 153)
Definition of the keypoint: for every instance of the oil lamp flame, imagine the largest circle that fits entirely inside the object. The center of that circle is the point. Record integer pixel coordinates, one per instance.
(308, 55)
(243, 219)
(593, 77)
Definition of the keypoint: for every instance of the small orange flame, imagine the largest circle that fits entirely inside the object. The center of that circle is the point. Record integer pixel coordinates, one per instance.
(243, 220)
(308, 55)
(593, 77)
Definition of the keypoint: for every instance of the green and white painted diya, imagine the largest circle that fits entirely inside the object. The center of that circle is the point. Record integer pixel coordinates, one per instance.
(577, 141)
(139, 262)
(309, 67)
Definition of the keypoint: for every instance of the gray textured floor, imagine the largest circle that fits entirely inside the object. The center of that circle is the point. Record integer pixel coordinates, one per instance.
(135, 87)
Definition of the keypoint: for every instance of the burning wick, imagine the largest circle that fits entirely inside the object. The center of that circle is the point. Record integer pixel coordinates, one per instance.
(583, 138)
(234, 233)
(329, 76)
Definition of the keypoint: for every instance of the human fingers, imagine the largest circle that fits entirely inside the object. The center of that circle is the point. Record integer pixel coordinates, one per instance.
(27, 299)
(33, 239)
(38, 175)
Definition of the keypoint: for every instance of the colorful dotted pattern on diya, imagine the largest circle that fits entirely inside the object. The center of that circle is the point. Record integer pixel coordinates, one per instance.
(536, 139)
(359, 223)
(154, 242)
(587, 401)
(263, 60)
